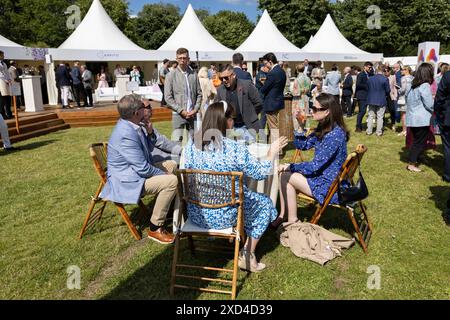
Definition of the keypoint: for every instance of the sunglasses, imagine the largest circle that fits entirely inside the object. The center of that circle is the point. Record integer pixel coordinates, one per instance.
(149, 107)
(245, 69)
(315, 109)
(225, 78)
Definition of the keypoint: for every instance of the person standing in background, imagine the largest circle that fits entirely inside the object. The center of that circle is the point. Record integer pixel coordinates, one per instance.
(347, 92)
(163, 71)
(5, 92)
(238, 60)
(361, 90)
(88, 84)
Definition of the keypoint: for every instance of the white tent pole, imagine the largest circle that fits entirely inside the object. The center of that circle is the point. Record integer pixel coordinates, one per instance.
(52, 90)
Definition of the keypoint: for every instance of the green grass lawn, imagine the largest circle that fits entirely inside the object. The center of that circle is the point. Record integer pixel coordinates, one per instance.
(46, 187)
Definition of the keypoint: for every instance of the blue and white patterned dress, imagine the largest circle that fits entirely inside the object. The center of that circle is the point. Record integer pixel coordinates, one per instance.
(329, 155)
(258, 208)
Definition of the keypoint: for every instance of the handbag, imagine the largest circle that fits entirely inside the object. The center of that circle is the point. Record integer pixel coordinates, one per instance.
(354, 193)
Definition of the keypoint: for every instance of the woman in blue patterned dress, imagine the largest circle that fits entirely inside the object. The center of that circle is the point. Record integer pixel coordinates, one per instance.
(315, 177)
(211, 150)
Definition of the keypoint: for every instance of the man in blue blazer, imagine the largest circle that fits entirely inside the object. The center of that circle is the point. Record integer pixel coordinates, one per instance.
(132, 170)
(377, 89)
(273, 90)
(361, 93)
(238, 60)
(347, 92)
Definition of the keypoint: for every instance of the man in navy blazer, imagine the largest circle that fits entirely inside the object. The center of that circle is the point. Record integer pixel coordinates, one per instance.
(347, 92)
(132, 170)
(273, 90)
(377, 90)
(361, 93)
(442, 109)
(238, 60)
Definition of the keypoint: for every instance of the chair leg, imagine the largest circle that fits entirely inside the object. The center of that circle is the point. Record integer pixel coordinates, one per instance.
(91, 208)
(174, 265)
(125, 217)
(351, 215)
(101, 210)
(317, 215)
(363, 210)
(235, 269)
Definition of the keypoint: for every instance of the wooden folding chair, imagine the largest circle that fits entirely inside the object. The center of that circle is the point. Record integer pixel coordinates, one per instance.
(209, 189)
(348, 169)
(298, 154)
(98, 152)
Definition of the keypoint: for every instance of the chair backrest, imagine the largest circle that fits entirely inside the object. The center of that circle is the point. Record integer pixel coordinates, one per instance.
(210, 189)
(98, 152)
(347, 171)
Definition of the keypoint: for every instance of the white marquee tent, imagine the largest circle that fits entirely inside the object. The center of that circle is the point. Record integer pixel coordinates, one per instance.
(14, 51)
(267, 38)
(97, 38)
(192, 35)
(333, 46)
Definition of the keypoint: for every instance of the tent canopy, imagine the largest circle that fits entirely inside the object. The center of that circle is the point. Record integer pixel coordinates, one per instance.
(192, 35)
(267, 38)
(14, 51)
(97, 38)
(333, 46)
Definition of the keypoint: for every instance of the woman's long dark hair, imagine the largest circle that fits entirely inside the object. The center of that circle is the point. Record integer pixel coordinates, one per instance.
(214, 125)
(424, 74)
(334, 118)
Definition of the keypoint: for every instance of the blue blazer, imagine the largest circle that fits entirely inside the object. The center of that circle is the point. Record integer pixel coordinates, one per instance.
(377, 90)
(241, 74)
(273, 90)
(130, 163)
(361, 85)
(347, 85)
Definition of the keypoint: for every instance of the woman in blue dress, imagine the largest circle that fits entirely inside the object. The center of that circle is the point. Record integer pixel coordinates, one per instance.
(211, 150)
(315, 177)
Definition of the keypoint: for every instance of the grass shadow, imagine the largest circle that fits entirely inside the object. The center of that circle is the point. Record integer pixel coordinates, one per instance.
(441, 198)
(32, 146)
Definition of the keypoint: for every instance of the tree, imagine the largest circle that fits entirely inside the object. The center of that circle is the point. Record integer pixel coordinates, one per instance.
(155, 24)
(229, 28)
(403, 25)
(297, 20)
(202, 14)
(39, 22)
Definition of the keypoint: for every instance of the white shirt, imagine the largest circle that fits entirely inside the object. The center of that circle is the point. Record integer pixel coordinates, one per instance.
(4, 73)
(187, 92)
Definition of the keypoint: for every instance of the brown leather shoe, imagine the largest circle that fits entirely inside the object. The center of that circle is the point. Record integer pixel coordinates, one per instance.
(161, 236)
(358, 130)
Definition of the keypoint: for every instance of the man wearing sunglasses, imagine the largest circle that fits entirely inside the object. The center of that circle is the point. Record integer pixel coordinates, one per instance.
(134, 165)
(245, 99)
(183, 94)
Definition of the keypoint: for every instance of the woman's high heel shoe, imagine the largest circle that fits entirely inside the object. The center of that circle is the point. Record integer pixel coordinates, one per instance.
(276, 223)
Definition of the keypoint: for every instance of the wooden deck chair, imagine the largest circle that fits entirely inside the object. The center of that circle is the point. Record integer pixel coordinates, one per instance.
(98, 152)
(364, 229)
(208, 189)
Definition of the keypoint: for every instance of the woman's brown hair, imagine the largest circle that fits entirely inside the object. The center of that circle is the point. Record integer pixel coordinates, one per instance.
(214, 125)
(334, 118)
(424, 74)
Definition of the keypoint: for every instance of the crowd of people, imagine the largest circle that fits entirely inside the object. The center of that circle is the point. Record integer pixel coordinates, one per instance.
(230, 99)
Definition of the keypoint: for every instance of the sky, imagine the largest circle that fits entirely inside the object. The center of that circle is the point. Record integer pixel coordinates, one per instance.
(249, 7)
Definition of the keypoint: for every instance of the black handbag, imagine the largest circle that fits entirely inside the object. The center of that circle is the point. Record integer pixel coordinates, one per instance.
(353, 193)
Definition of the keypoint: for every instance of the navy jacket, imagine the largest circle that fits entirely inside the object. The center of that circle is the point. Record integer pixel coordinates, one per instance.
(347, 85)
(273, 90)
(62, 76)
(361, 85)
(378, 88)
(442, 100)
(241, 74)
(75, 73)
